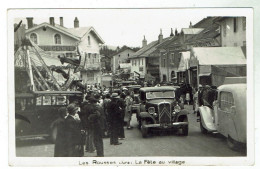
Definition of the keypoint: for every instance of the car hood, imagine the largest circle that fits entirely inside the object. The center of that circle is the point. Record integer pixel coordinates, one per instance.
(158, 101)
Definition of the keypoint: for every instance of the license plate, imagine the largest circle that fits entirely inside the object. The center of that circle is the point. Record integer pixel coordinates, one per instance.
(164, 125)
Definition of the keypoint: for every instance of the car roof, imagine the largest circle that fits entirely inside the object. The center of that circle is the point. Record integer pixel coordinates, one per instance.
(154, 89)
(232, 87)
(134, 86)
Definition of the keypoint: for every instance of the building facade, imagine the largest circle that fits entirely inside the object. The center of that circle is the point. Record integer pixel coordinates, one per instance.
(233, 31)
(122, 56)
(58, 40)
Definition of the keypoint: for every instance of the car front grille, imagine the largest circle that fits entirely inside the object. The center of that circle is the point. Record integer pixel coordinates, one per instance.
(164, 112)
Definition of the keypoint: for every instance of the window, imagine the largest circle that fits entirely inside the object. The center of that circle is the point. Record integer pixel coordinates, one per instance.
(244, 23)
(90, 76)
(224, 29)
(164, 62)
(57, 39)
(235, 24)
(226, 101)
(33, 38)
(142, 61)
(89, 42)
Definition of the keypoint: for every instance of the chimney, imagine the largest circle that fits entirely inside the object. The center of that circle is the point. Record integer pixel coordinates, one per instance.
(176, 32)
(171, 32)
(52, 21)
(29, 22)
(76, 23)
(61, 21)
(160, 37)
(144, 42)
(190, 25)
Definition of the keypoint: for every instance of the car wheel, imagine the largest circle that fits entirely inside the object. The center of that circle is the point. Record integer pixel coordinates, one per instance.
(144, 130)
(232, 144)
(139, 124)
(185, 129)
(202, 129)
(53, 135)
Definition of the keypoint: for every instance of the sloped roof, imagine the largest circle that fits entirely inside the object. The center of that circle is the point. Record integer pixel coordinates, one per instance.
(205, 22)
(209, 33)
(76, 33)
(120, 51)
(79, 32)
(150, 48)
(219, 55)
(144, 49)
(153, 48)
(191, 31)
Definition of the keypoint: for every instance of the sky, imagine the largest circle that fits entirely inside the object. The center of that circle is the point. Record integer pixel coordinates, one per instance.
(118, 27)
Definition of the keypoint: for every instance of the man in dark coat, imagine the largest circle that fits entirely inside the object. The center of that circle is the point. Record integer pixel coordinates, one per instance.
(122, 106)
(73, 133)
(59, 124)
(96, 124)
(115, 117)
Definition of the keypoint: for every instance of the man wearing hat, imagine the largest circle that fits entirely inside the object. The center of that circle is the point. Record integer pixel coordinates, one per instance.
(95, 120)
(115, 117)
(73, 132)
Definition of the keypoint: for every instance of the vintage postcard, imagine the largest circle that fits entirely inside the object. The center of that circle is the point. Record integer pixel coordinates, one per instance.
(130, 87)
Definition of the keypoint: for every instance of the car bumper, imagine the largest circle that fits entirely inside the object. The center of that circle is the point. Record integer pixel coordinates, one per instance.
(171, 125)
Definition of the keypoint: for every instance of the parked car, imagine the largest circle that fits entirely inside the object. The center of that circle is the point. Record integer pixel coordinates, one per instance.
(227, 116)
(159, 109)
(35, 112)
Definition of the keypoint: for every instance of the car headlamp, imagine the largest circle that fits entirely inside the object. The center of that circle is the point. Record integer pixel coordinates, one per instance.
(151, 110)
(177, 108)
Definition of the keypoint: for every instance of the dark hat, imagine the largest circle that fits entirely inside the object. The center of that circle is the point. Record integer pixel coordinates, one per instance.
(93, 100)
(62, 111)
(114, 95)
(72, 108)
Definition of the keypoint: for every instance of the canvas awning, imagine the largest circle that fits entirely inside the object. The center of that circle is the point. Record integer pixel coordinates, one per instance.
(219, 55)
(183, 66)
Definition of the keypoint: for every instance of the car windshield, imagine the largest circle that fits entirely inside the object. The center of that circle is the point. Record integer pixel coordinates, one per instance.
(160, 94)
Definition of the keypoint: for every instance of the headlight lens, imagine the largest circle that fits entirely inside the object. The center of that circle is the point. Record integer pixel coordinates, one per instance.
(151, 110)
(177, 108)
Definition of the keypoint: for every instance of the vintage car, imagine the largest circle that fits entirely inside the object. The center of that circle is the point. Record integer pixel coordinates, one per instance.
(159, 109)
(134, 90)
(227, 116)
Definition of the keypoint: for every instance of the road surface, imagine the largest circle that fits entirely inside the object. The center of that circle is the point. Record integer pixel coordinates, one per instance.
(158, 144)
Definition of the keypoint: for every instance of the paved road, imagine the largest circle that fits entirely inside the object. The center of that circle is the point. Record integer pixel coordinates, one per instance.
(158, 144)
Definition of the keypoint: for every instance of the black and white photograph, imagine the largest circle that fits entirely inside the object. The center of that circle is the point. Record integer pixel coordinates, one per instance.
(154, 86)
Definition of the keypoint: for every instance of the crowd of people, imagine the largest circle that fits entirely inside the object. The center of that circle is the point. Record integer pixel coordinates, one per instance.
(83, 125)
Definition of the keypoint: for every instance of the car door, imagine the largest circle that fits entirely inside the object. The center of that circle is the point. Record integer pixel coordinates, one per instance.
(225, 116)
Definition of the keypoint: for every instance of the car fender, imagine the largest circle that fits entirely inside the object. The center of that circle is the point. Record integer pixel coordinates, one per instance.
(207, 118)
(146, 115)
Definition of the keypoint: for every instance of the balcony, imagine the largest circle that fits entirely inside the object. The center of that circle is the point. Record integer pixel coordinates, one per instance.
(92, 66)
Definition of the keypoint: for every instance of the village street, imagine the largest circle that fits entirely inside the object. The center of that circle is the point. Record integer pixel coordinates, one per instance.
(158, 144)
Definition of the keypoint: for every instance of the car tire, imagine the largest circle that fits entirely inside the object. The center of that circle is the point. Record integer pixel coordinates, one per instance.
(185, 129)
(144, 130)
(202, 129)
(232, 144)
